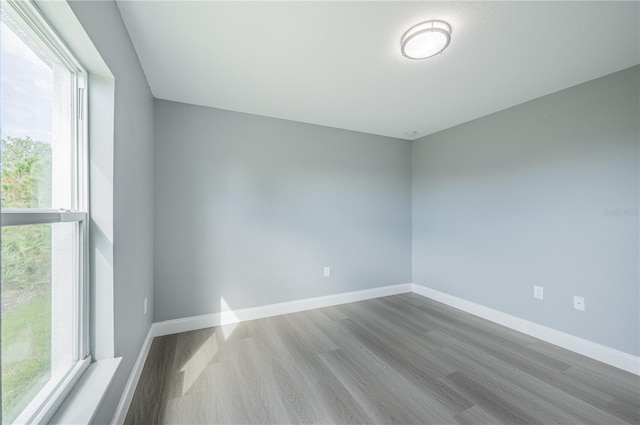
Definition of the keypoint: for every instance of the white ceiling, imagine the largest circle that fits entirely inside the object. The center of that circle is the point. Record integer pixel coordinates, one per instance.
(338, 63)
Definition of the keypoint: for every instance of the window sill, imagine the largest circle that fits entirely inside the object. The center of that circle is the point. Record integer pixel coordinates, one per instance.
(82, 403)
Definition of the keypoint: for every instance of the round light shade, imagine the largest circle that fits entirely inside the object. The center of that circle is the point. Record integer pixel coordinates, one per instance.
(426, 39)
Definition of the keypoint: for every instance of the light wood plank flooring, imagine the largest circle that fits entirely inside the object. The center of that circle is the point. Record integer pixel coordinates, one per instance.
(402, 359)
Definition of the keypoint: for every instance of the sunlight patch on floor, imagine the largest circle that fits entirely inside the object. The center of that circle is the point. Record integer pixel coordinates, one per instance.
(194, 367)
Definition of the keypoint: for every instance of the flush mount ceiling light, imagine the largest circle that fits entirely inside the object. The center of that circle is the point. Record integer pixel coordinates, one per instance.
(426, 39)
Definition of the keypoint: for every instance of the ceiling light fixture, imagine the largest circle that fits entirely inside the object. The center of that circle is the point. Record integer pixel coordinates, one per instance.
(425, 39)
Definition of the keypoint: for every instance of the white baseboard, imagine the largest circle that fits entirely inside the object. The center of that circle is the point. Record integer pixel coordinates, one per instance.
(186, 324)
(132, 382)
(602, 353)
(169, 327)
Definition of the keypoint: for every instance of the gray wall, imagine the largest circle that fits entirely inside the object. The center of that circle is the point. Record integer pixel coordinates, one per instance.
(542, 193)
(250, 209)
(132, 189)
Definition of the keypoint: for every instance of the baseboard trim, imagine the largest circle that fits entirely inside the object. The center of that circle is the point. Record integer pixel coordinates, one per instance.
(602, 353)
(169, 327)
(186, 324)
(134, 377)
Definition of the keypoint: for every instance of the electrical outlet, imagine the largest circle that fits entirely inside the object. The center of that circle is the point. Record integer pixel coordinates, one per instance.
(578, 303)
(327, 271)
(538, 292)
(145, 306)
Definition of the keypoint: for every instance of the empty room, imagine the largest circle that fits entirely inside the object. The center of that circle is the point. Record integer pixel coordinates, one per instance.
(331, 212)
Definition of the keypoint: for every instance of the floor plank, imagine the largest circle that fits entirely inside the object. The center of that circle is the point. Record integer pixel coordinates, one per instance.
(398, 359)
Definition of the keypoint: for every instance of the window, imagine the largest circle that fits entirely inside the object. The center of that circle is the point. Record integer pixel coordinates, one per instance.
(43, 244)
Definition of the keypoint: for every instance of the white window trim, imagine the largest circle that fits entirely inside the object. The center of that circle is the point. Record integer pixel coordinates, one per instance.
(82, 404)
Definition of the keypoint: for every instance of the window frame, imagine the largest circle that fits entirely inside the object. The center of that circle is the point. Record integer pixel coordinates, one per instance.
(44, 405)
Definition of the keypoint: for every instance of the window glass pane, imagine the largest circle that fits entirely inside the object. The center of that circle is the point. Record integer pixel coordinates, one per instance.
(38, 285)
(40, 268)
(36, 126)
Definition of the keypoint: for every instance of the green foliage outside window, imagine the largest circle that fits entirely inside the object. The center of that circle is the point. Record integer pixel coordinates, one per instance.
(26, 183)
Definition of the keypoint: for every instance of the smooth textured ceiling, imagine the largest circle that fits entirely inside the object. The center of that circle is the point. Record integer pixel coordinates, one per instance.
(338, 64)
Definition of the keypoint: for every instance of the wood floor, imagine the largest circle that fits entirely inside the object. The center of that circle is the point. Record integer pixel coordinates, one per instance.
(401, 359)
